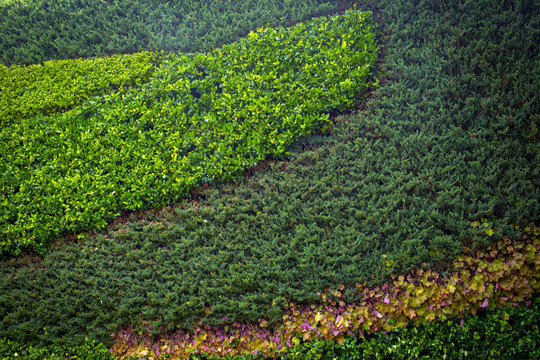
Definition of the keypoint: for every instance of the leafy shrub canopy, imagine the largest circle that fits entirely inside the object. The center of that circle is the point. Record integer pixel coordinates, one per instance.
(201, 118)
(56, 86)
(445, 153)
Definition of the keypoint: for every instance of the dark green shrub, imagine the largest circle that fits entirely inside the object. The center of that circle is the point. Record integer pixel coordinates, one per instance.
(34, 31)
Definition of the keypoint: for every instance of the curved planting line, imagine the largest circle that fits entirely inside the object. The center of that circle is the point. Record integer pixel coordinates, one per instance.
(201, 118)
(506, 274)
(57, 86)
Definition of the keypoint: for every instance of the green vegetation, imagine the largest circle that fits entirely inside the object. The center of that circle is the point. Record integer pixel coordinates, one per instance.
(33, 31)
(500, 334)
(444, 155)
(89, 350)
(508, 333)
(200, 118)
(56, 86)
(506, 272)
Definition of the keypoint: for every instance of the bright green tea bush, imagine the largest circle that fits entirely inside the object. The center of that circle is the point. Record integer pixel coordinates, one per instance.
(201, 118)
(33, 31)
(58, 85)
(90, 350)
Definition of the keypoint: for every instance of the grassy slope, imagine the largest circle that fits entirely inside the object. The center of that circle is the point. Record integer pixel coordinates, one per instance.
(450, 139)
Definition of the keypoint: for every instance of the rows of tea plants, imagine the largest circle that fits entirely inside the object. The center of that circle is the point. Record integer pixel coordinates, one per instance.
(506, 273)
(200, 118)
(444, 155)
(56, 86)
(34, 31)
(500, 334)
(510, 268)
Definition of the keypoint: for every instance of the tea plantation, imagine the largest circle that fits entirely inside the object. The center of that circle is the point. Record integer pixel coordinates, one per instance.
(253, 199)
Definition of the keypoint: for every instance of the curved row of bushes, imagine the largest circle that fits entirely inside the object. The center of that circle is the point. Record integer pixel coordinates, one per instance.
(444, 155)
(497, 334)
(201, 118)
(508, 273)
(56, 86)
(447, 329)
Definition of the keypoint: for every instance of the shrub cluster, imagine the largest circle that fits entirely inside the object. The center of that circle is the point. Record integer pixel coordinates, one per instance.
(56, 86)
(33, 31)
(496, 334)
(89, 350)
(200, 118)
(443, 156)
(507, 273)
(508, 333)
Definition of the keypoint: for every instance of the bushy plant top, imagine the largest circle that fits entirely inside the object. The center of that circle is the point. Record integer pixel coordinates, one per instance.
(496, 334)
(201, 118)
(505, 274)
(89, 350)
(34, 31)
(55, 86)
(509, 333)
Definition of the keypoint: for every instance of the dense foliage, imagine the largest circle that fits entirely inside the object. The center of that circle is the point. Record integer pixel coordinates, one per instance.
(508, 333)
(200, 118)
(445, 152)
(33, 31)
(56, 86)
(505, 273)
(89, 350)
(498, 334)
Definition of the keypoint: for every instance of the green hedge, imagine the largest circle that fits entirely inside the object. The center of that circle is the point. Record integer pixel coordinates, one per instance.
(56, 86)
(89, 350)
(33, 31)
(201, 118)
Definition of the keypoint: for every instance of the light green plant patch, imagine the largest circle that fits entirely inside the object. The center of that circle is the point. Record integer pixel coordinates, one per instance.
(201, 118)
(56, 86)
